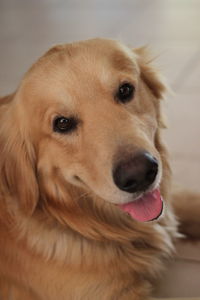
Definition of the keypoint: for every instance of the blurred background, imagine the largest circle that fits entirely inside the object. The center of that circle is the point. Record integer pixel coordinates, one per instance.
(170, 27)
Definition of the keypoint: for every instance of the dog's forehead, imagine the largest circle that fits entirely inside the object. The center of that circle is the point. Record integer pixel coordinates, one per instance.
(74, 68)
(92, 57)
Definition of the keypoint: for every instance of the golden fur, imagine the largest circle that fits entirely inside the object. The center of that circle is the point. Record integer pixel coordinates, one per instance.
(61, 235)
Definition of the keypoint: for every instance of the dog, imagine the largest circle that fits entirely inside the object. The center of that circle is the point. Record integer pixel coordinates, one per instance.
(85, 209)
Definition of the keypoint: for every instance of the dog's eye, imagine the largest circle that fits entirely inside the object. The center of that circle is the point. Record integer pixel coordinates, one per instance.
(125, 92)
(64, 125)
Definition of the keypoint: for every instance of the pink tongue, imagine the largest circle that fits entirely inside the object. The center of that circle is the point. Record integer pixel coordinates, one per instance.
(146, 208)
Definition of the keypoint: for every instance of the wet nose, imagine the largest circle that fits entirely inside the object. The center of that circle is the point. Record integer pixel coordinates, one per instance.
(136, 173)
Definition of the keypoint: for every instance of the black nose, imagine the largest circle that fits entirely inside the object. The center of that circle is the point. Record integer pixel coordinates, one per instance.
(136, 173)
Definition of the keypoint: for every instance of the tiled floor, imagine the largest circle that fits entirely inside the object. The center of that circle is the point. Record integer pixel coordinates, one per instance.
(170, 27)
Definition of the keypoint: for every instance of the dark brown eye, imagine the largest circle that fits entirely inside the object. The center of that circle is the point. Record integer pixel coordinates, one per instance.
(125, 92)
(64, 125)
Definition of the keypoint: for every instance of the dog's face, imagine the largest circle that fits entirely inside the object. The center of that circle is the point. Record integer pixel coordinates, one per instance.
(91, 112)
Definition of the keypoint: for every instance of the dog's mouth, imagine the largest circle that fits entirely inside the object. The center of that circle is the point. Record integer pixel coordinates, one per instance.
(147, 207)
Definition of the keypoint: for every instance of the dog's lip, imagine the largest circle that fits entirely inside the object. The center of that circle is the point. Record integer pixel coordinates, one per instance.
(138, 195)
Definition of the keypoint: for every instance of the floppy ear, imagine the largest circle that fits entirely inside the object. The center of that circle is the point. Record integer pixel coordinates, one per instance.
(17, 170)
(149, 74)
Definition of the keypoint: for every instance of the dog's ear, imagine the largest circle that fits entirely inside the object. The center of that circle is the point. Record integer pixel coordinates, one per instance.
(17, 171)
(149, 74)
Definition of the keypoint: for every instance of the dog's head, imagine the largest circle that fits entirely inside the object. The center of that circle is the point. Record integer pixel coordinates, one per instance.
(85, 121)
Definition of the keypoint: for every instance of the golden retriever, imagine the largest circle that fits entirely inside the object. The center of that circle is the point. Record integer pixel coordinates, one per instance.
(83, 169)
